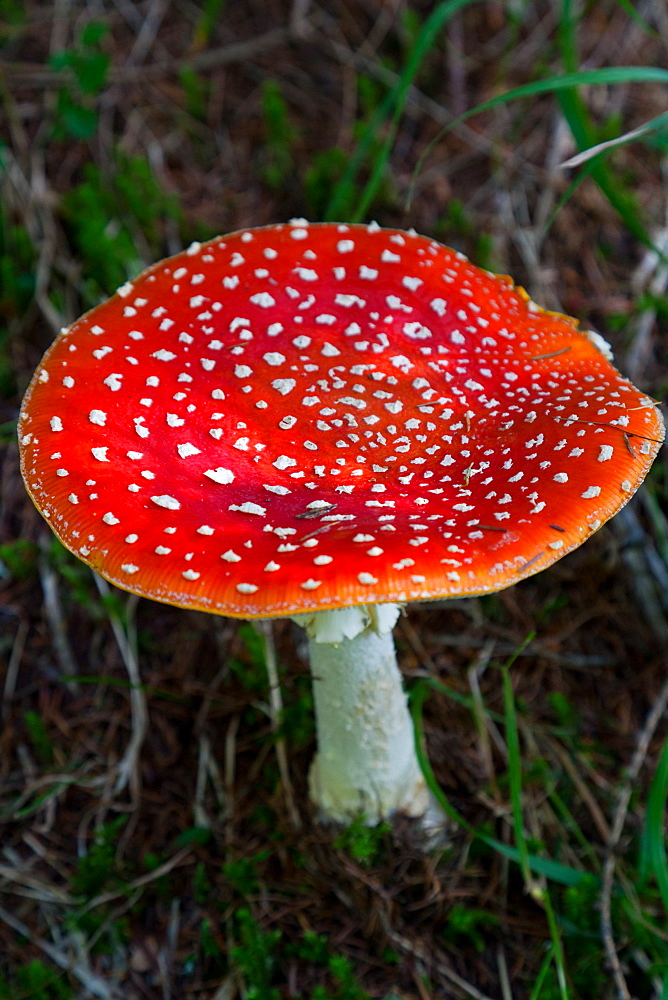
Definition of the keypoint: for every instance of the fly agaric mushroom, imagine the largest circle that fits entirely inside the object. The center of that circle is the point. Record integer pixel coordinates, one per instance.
(325, 422)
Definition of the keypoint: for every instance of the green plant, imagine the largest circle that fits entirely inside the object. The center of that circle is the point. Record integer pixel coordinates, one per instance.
(206, 23)
(17, 263)
(17, 287)
(97, 869)
(385, 120)
(297, 720)
(195, 91)
(35, 981)
(277, 157)
(586, 134)
(466, 923)
(346, 985)
(576, 113)
(539, 889)
(362, 842)
(653, 862)
(39, 737)
(312, 948)
(343, 983)
(252, 674)
(574, 962)
(255, 956)
(322, 178)
(565, 712)
(18, 559)
(13, 16)
(84, 70)
(109, 214)
(583, 949)
(201, 884)
(242, 873)
(194, 835)
(209, 945)
(80, 588)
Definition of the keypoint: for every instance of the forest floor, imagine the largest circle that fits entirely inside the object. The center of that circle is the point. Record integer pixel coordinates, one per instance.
(153, 844)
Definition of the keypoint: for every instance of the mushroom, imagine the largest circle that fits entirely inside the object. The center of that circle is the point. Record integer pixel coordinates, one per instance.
(327, 421)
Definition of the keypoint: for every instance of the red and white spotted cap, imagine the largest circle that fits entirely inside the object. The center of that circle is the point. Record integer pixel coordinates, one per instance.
(303, 417)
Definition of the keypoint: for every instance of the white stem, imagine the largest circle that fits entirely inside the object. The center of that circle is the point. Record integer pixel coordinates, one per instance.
(366, 762)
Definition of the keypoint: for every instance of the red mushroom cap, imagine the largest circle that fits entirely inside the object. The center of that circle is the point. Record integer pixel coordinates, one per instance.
(306, 417)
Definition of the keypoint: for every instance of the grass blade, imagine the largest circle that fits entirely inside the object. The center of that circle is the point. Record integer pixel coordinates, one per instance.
(654, 859)
(515, 774)
(552, 870)
(652, 125)
(578, 118)
(393, 106)
(537, 891)
(557, 85)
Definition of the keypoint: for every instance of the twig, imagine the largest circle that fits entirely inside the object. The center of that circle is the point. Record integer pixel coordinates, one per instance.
(34, 887)
(55, 617)
(650, 275)
(230, 761)
(59, 26)
(61, 782)
(299, 18)
(618, 819)
(646, 574)
(275, 713)
(210, 59)
(95, 984)
(484, 724)
(200, 815)
(207, 767)
(45, 225)
(398, 940)
(503, 648)
(167, 952)
(128, 766)
(229, 988)
(504, 978)
(584, 791)
(416, 100)
(106, 897)
(148, 32)
(13, 668)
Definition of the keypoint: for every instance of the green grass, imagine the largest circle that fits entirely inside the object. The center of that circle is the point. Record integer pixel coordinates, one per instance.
(109, 214)
(84, 70)
(653, 860)
(578, 118)
(18, 558)
(277, 165)
(18, 259)
(352, 200)
(36, 981)
(574, 964)
(363, 843)
(39, 737)
(256, 956)
(349, 201)
(537, 889)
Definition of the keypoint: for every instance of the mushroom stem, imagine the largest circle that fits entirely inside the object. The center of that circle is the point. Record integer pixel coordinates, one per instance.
(366, 763)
